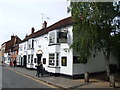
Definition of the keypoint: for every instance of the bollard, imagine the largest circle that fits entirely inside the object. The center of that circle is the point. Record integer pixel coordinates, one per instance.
(112, 81)
(86, 77)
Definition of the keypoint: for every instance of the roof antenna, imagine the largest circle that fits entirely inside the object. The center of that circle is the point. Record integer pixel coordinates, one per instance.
(44, 16)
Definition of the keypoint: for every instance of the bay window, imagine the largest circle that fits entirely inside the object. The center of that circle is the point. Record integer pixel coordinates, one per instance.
(61, 37)
(54, 59)
(58, 36)
(51, 59)
(51, 37)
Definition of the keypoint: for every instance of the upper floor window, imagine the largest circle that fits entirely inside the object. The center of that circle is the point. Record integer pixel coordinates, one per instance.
(52, 37)
(58, 36)
(62, 36)
(20, 48)
(25, 47)
(30, 43)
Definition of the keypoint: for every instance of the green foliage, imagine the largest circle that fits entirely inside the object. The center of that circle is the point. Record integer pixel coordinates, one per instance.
(92, 28)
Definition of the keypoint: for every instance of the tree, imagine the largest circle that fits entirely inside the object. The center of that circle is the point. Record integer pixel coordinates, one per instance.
(92, 30)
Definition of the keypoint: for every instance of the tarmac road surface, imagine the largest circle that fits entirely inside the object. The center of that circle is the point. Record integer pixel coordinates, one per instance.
(12, 79)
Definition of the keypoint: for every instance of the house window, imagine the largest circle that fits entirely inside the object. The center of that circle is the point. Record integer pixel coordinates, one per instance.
(29, 45)
(32, 43)
(64, 61)
(25, 47)
(51, 59)
(44, 60)
(51, 37)
(35, 60)
(57, 59)
(61, 37)
(75, 59)
(28, 58)
(21, 48)
(31, 59)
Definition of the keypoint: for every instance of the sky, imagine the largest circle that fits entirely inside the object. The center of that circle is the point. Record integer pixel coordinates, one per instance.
(17, 17)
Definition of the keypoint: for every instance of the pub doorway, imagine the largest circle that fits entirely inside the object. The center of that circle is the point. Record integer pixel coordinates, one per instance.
(39, 58)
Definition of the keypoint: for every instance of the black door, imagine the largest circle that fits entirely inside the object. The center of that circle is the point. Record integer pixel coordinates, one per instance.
(39, 58)
(25, 60)
(21, 61)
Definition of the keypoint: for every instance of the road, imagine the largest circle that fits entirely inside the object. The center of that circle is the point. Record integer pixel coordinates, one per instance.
(12, 79)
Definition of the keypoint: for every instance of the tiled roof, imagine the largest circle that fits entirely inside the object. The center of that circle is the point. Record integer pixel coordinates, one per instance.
(57, 25)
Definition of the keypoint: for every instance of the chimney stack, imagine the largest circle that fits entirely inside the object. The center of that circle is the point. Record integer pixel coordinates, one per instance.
(32, 30)
(12, 37)
(26, 36)
(44, 24)
(15, 40)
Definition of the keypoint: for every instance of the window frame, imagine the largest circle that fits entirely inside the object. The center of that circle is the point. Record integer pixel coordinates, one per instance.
(52, 59)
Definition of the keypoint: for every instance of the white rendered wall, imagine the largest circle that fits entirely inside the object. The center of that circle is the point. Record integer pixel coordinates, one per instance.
(68, 70)
(22, 52)
(41, 43)
(94, 64)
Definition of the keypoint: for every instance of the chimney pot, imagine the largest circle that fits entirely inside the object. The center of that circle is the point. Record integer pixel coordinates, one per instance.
(44, 24)
(32, 30)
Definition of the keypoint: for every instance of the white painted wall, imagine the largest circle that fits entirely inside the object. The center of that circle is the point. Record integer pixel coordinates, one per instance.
(41, 43)
(6, 58)
(94, 64)
(21, 52)
(68, 70)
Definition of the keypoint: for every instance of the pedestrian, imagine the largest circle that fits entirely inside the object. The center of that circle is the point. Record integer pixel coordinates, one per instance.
(39, 70)
(14, 62)
(10, 63)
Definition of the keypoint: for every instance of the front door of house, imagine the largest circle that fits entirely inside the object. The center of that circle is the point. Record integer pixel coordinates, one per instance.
(39, 58)
(25, 60)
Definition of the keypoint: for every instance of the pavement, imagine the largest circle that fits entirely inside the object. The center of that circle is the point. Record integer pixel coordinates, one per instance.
(62, 82)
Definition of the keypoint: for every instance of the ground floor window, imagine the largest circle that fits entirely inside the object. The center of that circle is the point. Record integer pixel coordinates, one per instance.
(75, 59)
(31, 59)
(35, 60)
(52, 59)
(28, 58)
(57, 59)
(44, 60)
(64, 61)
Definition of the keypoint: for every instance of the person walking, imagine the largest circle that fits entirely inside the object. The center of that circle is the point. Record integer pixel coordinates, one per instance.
(38, 70)
(41, 69)
(14, 62)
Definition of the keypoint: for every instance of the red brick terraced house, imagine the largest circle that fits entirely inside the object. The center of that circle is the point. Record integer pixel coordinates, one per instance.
(7, 49)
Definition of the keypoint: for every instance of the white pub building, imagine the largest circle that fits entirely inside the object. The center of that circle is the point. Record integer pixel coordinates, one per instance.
(51, 45)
